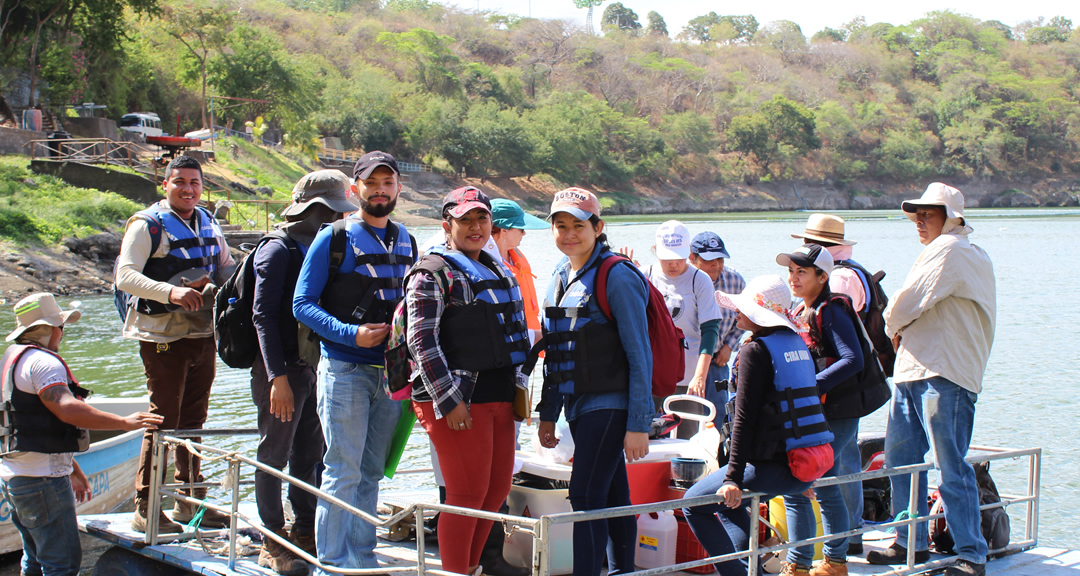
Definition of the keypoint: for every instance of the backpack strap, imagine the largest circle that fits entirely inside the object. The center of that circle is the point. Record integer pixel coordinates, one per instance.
(601, 283)
(154, 229)
(338, 240)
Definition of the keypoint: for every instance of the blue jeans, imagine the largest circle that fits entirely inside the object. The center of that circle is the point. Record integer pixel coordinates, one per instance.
(717, 397)
(835, 516)
(599, 481)
(43, 511)
(936, 415)
(731, 531)
(358, 421)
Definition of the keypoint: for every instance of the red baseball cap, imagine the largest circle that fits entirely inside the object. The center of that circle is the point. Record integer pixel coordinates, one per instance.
(578, 202)
(466, 198)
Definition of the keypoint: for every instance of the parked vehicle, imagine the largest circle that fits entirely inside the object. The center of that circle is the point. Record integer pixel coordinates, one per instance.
(145, 123)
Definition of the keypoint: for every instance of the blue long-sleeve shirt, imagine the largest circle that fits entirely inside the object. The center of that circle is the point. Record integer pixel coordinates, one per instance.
(339, 338)
(275, 325)
(838, 332)
(628, 296)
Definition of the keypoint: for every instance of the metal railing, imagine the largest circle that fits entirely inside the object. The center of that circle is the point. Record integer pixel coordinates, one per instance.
(541, 528)
(89, 150)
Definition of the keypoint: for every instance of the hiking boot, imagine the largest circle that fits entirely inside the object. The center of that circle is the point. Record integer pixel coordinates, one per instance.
(829, 567)
(966, 568)
(280, 559)
(794, 570)
(895, 554)
(138, 520)
(304, 538)
(184, 512)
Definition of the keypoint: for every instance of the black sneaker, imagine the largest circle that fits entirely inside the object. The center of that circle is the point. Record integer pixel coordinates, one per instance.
(854, 549)
(965, 568)
(895, 554)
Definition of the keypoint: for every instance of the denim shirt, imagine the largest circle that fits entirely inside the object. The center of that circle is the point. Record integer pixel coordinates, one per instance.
(628, 296)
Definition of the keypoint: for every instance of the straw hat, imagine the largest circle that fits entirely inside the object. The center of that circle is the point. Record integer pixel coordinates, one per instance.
(38, 310)
(825, 228)
(766, 301)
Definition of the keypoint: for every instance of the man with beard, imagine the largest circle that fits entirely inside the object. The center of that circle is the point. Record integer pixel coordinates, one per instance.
(349, 285)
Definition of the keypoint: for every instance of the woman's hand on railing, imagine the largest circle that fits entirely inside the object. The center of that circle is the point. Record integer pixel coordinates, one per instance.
(732, 495)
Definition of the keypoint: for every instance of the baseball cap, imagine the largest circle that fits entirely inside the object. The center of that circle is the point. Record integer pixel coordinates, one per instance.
(708, 246)
(672, 241)
(460, 201)
(578, 202)
(507, 214)
(808, 255)
(372, 160)
(327, 187)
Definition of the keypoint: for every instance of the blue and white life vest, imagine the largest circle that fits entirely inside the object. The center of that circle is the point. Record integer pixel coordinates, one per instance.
(581, 355)
(188, 249)
(490, 332)
(27, 424)
(793, 414)
(369, 291)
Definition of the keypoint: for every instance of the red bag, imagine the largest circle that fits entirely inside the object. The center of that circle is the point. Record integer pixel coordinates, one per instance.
(665, 338)
(810, 463)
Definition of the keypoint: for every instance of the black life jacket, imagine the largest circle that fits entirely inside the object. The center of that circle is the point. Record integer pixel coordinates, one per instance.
(28, 425)
(369, 292)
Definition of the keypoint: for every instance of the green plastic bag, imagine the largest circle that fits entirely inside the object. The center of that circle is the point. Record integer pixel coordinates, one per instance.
(401, 438)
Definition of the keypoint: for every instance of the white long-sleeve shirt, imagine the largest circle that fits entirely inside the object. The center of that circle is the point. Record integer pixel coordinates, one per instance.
(945, 313)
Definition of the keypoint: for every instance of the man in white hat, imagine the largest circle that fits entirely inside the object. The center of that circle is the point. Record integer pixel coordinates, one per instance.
(171, 259)
(282, 383)
(45, 421)
(942, 322)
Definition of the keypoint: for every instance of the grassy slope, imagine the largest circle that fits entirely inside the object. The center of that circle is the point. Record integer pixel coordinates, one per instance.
(43, 210)
(240, 160)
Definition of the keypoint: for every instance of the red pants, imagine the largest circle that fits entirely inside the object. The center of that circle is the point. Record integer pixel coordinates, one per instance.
(477, 466)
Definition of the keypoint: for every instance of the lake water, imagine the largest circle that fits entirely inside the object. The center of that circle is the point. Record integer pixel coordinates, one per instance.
(1028, 390)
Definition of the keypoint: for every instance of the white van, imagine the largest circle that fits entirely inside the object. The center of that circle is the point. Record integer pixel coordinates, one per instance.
(145, 123)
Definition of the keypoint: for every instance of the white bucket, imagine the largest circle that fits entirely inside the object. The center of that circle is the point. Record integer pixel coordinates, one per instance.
(658, 534)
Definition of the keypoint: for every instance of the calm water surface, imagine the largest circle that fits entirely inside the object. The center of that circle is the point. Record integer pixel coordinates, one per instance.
(1028, 398)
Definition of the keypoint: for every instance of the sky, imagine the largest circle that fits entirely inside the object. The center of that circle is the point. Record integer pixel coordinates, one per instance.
(811, 16)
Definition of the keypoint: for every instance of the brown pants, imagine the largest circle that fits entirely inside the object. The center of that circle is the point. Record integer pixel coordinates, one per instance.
(179, 376)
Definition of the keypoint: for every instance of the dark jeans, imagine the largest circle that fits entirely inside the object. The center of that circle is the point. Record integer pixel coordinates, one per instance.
(298, 443)
(178, 376)
(599, 481)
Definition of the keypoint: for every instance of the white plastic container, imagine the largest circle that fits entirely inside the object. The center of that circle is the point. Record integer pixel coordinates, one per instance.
(534, 503)
(658, 534)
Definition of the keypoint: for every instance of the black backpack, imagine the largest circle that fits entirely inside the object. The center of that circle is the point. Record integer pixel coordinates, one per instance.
(237, 341)
(872, 315)
(994, 521)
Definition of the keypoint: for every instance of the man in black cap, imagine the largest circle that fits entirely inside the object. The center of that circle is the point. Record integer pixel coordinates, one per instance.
(708, 254)
(347, 290)
(282, 383)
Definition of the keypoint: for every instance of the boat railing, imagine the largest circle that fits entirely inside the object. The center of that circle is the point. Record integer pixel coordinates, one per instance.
(540, 529)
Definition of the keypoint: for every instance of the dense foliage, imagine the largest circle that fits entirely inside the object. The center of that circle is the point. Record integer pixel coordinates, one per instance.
(725, 99)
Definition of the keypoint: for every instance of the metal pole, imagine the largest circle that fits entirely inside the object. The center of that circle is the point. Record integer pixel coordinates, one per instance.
(755, 517)
(418, 520)
(213, 150)
(153, 507)
(234, 479)
(913, 512)
(542, 557)
(1034, 481)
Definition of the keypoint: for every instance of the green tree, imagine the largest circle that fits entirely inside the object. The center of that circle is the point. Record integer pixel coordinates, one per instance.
(202, 28)
(699, 28)
(657, 25)
(436, 66)
(779, 123)
(828, 35)
(786, 38)
(619, 17)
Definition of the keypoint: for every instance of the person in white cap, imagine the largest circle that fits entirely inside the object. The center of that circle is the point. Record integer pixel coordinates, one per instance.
(942, 323)
(690, 298)
(45, 421)
(774, 365)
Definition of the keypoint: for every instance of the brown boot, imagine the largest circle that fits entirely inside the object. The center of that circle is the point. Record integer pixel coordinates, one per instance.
(280, 559)
(794, 570)
(304, 539)
(184, 512)
(138, 520)
(829, 567)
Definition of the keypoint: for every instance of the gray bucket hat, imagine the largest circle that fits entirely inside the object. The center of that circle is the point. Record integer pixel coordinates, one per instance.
(327, 187)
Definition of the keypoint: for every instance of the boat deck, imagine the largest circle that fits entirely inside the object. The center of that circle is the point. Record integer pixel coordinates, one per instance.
(191, 555)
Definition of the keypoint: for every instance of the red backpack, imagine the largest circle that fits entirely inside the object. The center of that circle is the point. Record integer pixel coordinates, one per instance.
(665, 338)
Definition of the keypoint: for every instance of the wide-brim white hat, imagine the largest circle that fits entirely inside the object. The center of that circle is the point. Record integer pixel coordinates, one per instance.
(937, 194)
(766, 301)
(40, 309)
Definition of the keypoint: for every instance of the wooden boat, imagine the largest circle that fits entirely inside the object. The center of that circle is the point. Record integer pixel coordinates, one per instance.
(110, 465)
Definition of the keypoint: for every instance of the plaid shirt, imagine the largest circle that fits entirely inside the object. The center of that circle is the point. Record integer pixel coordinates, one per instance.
(426, 298)
(729, 282)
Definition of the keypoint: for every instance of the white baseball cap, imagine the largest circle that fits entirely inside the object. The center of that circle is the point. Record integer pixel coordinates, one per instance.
(673, 241)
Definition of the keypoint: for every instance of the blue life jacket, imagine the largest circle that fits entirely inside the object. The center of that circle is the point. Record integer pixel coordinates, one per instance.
(27, 424)
(489, 332)
(369, 292)
(187, 250)
(581, 355)
(793, 416)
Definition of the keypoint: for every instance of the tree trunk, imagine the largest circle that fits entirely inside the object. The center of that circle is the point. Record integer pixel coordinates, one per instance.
(34, 52)
(202, 62)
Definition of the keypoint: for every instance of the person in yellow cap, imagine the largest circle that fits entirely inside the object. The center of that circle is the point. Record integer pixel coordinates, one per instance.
(45, 421)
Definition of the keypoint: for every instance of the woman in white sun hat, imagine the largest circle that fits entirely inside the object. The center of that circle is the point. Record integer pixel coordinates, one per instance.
(774, 364)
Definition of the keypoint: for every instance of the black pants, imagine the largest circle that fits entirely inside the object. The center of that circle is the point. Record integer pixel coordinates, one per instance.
(298, 443)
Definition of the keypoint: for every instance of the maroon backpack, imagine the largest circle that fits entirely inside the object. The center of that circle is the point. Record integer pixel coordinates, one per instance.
(665, 338)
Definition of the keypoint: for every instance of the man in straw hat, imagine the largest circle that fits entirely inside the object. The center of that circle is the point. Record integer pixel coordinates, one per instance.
(172, 257)
(44, 422)
(942, 322)
(828, 231)
(282, 383)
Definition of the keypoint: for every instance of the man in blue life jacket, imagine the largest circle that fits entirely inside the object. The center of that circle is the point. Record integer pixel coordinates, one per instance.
(349, 303)
(171, 259)
(45, 421)
(282, 383)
